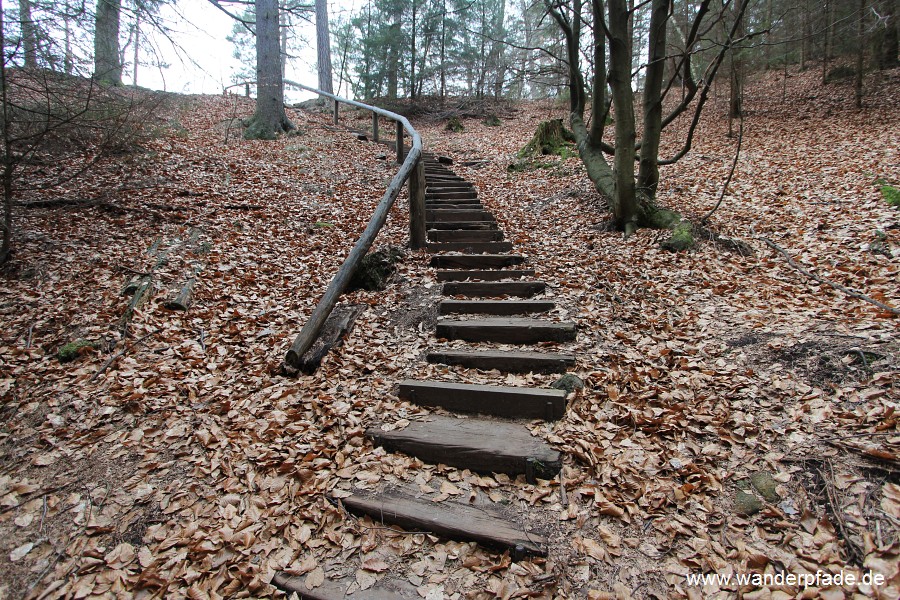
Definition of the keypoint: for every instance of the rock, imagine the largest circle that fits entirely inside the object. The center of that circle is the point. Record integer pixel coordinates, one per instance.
(381, 157)
(763, 483)
(568, 382)
(746, 504)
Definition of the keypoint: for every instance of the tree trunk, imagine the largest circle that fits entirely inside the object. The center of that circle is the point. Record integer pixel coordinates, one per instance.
(648, 175)
(270, 118)
(443, 49)
(412, 52)
(68, 60)
(137, 48)
(323, 47)
(860, 54)
(29, 34)
(107, 62)
(624, 202)
(393, 66)
(885, 42)
(737, 75)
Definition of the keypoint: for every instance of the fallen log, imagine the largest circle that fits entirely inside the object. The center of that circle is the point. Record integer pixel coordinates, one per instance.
(336, 327)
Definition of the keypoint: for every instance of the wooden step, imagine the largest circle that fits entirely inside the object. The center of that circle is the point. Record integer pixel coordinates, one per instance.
(442, 201)
(506, 331)
(439, 214)
(483, 446)
(453, 194)
(386, 589)
(481, 289)
(452, 205)
(449, 186)
(499, 401)
(461, 225)
(432, 178)
(507, 362)
(450, 235)
(476, 261)
(481, 524)
(494, 307)
(496, 275)
(492, 247)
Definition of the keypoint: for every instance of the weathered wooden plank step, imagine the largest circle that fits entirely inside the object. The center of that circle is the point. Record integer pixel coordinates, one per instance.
(461, 225)
(451, 205)
(483, 446)
(432, 178)
(479, 274)
(476, 261)
(496, 400)
(451, 235)
(386, 589)
(468, 246)
(449, 186)
(521, 289)
(507, 362)
(452, 200)
(495, 307)
(451, 520)
(440, 214)
(453, 194)
(506, 331)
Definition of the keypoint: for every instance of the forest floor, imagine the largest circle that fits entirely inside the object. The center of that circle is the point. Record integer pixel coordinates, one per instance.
(738, 417)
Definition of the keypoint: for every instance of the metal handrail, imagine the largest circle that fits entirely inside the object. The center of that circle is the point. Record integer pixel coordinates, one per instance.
(411, 166)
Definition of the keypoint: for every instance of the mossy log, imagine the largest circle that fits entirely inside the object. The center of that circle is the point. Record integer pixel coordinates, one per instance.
(339, 323)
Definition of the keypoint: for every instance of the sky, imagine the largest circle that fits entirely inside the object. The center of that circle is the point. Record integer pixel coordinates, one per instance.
(201, 58)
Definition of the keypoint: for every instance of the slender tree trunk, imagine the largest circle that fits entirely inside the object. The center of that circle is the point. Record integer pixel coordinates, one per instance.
(860, 54)
(323, 47)
(393, 66)
(270, 118)
(412, 51)
(737, 75)
(29, 34)
(8, 164)
(826, 42)
(68, 62)
(648, 175)
(807, 34)
(107, 62)
(443, 49)
(137, 48)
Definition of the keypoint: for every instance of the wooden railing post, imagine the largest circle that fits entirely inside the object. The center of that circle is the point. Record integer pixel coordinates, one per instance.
(399, 142)
(417, 206)
(336, 111)
(375, 127)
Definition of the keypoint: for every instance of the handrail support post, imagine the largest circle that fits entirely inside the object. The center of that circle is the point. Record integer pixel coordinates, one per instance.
(375, 127)
(417, 206)
(399, 142)
(336, 111)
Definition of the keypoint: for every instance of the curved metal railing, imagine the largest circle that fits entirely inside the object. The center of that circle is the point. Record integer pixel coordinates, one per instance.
(411, 169)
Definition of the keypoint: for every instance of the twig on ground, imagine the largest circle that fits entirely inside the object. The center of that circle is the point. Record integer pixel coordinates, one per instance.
(855, 553)
(837, 286)
(117, 355)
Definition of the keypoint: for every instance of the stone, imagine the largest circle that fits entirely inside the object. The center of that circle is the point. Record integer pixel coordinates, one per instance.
(746, 504)
(763, 483)
(569, 383)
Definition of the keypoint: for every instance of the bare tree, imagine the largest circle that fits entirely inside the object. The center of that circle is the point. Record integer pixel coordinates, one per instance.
(323, 47)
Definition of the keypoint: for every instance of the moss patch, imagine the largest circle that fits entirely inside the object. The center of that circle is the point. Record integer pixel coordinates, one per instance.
(492, 121)
(891, 195)
(682, 238)
(73, 350)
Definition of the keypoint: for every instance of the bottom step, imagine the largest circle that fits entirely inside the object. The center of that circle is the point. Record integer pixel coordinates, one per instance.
(508, 362)
(450, 520)
(386, 589)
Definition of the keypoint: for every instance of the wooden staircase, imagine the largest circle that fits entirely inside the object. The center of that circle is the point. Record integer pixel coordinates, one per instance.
(486, 297)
